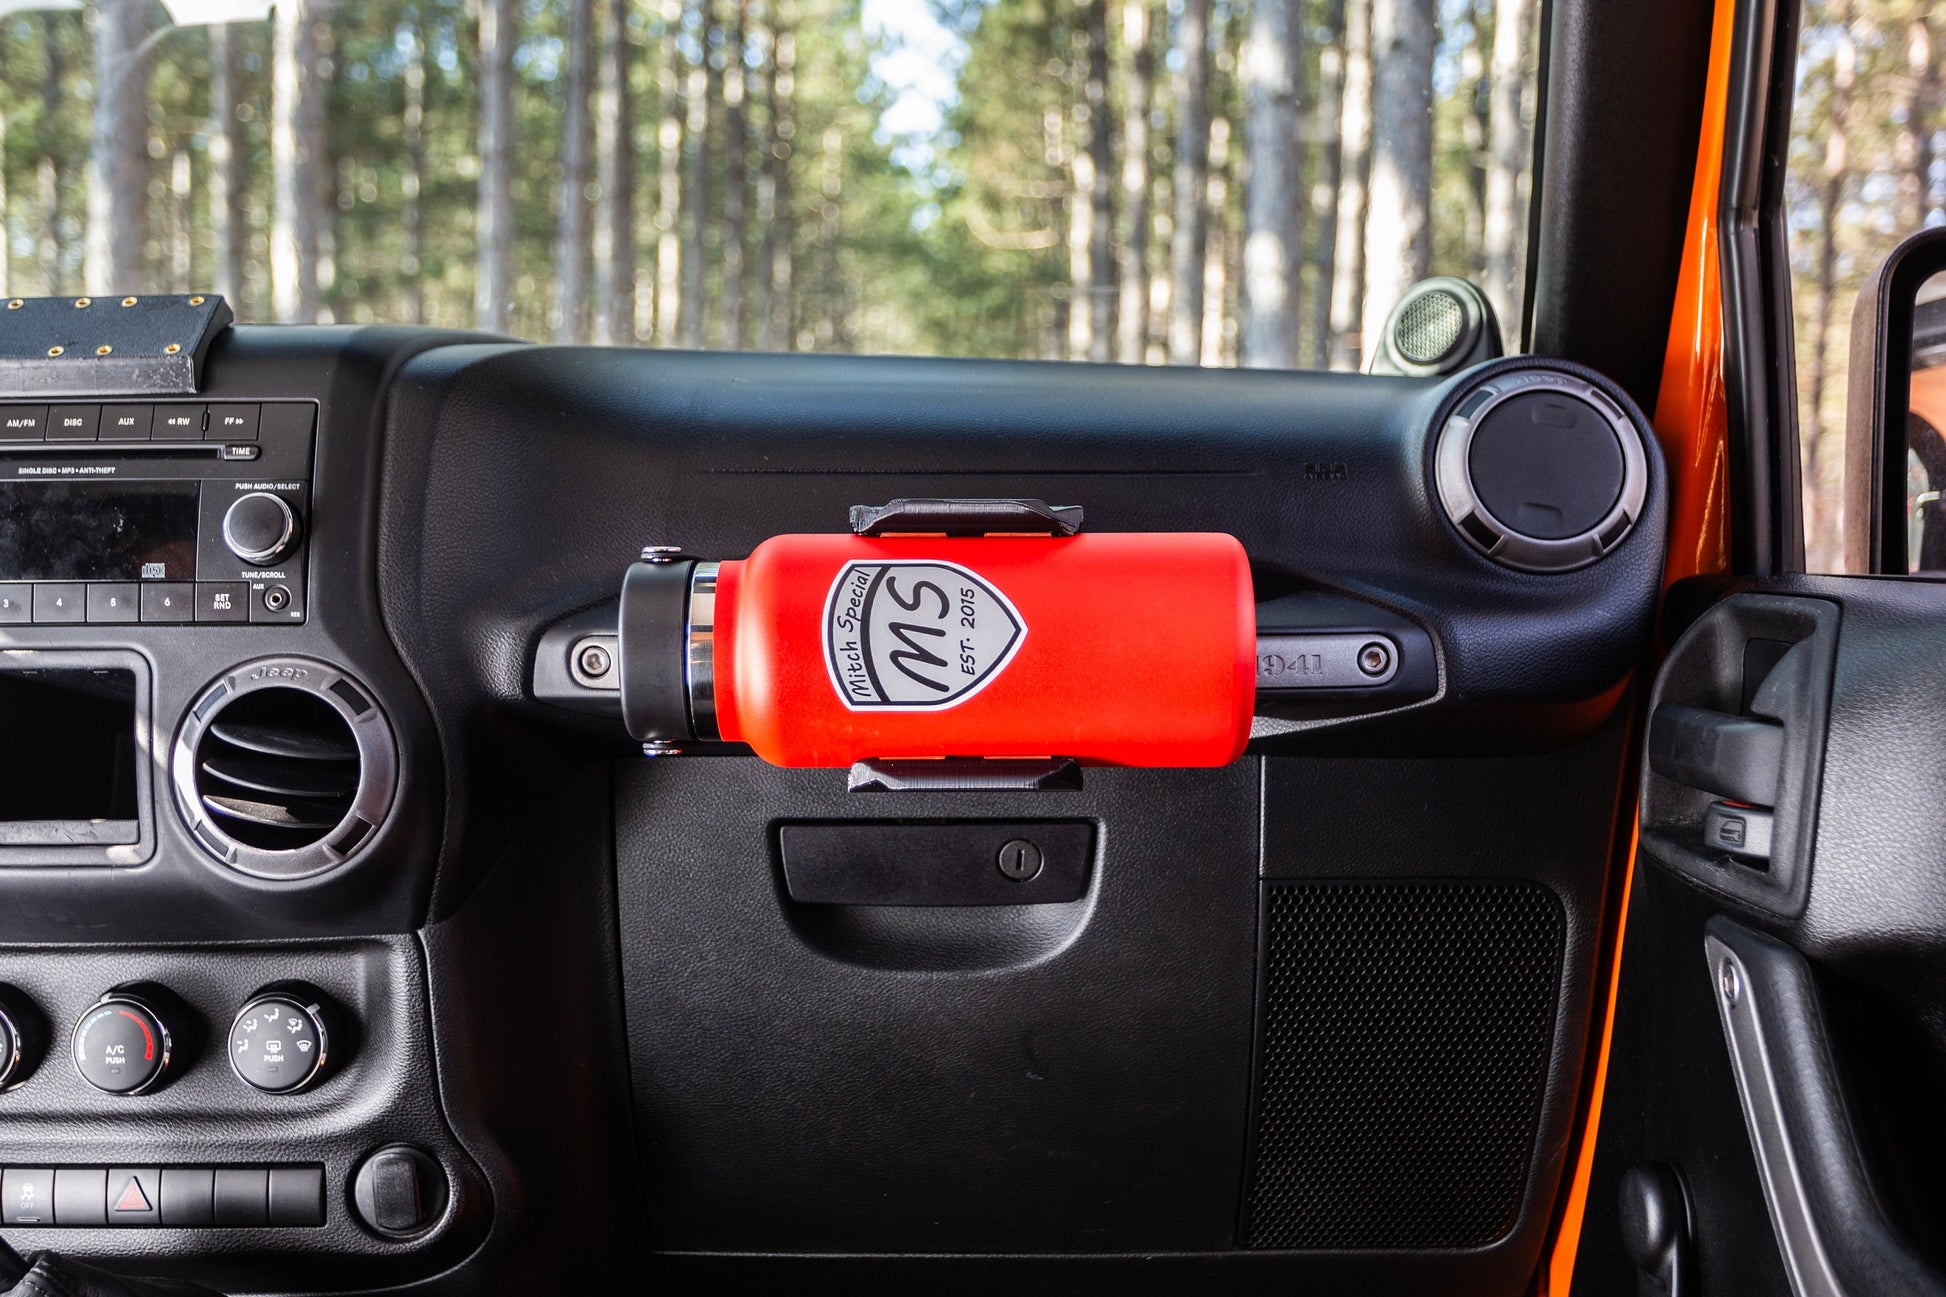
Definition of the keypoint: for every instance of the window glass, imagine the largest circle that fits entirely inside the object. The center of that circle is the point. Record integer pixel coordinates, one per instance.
(1864, 173)
(1197, 181)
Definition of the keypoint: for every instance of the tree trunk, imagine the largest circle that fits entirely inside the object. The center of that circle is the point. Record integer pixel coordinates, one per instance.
(1477, 97)
(182, 223)
(774, 261)
(412, 182)
(1398, 240)
(47, 175)
(1217, 284)
(1273, 232)
(1188, 239)
(298, 187)
(118, 161)
(226, 220)
(1354, 191)
(1081, 194)
(1506, 161)
(1916, 132)
(6, 221)
(615, 216)
(1100, 299)
(1132, 321)
(1821, 529)
(494, 239)
(1329, 129)
(328, 187)
(736, 181)
(695, 199)
(668, 171)
(833, 332)
(572, 251)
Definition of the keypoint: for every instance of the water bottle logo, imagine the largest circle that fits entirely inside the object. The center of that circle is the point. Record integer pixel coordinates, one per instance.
(911, 635)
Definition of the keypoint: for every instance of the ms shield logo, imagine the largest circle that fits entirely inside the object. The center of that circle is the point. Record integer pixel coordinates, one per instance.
(908, 636)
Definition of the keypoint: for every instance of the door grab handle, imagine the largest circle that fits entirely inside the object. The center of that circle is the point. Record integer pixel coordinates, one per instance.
(1735, 757)
(1832, 1234)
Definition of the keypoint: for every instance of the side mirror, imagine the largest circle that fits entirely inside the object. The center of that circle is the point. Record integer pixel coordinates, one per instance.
(1895, 426)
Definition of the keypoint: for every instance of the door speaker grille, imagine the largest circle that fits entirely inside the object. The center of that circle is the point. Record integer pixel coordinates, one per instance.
(1402, 1058)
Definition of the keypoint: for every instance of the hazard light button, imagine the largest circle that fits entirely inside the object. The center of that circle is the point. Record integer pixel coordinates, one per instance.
(134, 1196)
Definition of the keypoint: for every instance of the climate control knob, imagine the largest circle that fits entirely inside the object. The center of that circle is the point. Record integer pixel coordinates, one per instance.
(282, 1038)
(259, 527)
(22, 1037)
(122, 1045)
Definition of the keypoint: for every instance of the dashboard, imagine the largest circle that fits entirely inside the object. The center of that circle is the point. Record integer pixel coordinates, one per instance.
(348, 941)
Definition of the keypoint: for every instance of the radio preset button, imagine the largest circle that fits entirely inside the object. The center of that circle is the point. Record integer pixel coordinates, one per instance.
(222, 601)
(179, 422)
(57, 602)
(126, 422)
(169, 601)
(110, 603)
(23, 423)
(259, 527)
(73, 422)
(233, 422)
(16, 604)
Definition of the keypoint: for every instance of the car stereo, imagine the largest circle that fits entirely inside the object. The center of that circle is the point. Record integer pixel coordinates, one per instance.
(157, 512)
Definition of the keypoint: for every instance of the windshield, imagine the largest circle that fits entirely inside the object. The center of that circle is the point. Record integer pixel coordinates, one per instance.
(1211, 182)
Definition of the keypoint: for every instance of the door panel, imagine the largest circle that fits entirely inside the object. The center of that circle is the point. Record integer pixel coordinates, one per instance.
(1825, 974)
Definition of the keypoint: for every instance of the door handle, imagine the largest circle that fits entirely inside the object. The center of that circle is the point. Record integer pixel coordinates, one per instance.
(1823, 1204)
(1736, 757)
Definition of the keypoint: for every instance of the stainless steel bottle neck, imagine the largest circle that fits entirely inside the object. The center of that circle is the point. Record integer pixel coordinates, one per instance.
(699, 664)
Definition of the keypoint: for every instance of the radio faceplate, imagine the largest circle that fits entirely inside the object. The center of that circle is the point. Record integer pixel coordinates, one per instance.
(161, 513)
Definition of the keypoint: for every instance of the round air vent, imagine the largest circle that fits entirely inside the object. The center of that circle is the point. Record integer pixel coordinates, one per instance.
(1541, 470)
(284, 768)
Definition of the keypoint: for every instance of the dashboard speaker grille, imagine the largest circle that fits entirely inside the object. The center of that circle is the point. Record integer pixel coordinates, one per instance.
(1429, 327)
(1402, 1050)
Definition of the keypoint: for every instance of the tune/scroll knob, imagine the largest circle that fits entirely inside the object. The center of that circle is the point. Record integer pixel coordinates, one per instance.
(259, 527)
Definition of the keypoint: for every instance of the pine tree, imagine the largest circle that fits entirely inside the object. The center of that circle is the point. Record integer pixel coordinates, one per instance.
(118, 163)
(1354, 190)
(1273, 236)
(614, 233)
(225, 188)
(572, 248)
(499, 34)
(1138, 48)
(1507, 161)
(1398, 236)
(1329, 132)
(1189, 241)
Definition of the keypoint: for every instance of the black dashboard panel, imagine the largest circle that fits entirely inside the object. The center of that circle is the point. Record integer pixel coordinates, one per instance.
(579, 982)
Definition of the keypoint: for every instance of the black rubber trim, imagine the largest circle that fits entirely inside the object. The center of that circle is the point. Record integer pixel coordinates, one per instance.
(1865, 1256)
(1759, 347)
(653, 624)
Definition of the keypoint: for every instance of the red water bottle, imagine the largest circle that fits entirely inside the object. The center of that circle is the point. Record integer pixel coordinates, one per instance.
(1131, 649)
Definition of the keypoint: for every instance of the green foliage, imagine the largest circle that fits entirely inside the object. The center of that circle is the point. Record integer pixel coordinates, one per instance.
(967, 253)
